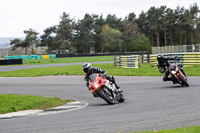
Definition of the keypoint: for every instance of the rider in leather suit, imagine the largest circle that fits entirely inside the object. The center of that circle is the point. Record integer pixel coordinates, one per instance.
(163, 66)
(87, 68)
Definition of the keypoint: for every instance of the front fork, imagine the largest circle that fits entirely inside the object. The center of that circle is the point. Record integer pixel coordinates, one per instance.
(180, 73)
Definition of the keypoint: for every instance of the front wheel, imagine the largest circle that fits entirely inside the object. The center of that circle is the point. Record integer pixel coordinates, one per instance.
(121, 99)
(184, 81)
(107, 97)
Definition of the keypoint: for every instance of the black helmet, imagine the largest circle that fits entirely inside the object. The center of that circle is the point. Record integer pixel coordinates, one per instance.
(87, 67)
(162, 60)
(160, 56)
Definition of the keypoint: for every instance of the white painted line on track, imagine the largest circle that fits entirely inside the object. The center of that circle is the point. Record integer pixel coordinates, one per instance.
(64, 108)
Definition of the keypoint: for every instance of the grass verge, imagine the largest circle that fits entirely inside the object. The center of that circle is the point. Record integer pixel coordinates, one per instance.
(193, 129)
(13, 103)
(146, 70)
(67, 60)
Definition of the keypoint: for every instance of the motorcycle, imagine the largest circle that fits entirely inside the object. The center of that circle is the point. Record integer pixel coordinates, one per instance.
(177, 75)
(105, 89)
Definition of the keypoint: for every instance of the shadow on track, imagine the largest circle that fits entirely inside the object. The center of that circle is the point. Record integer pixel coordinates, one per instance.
(173, 87)
(101, 104)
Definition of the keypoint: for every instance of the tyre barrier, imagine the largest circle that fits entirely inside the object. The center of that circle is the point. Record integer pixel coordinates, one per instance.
(11, 61)
(132, 61)
(32, 56)
(145, 58)
(187, 59)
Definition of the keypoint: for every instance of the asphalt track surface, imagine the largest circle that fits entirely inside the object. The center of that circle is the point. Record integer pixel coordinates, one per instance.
(150, 104)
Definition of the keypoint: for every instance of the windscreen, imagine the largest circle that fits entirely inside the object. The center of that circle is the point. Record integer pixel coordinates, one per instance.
(93, 77)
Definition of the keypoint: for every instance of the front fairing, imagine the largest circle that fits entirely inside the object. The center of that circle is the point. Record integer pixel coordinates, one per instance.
(174, 69)
(96, 82)
(175, 72)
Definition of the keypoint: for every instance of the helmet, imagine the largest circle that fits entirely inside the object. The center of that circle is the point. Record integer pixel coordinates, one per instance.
(160, 56)
(161, 60)
(87, 67)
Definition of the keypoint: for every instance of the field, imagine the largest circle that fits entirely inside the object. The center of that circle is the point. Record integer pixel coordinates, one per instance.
(13, 103)
(146, 70)
(194, 129)
(67, 60)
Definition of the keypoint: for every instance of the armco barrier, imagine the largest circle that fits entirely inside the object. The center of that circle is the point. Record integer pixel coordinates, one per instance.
(131, 61)
(102, 54)
(187, 59)
(11, 62)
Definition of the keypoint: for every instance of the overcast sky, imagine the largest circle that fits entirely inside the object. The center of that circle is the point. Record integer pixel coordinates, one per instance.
(19, 15)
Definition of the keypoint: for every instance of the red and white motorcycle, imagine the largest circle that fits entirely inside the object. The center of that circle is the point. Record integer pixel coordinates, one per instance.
(105, 89)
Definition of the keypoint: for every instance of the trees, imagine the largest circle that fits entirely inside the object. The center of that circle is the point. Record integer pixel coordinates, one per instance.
(105, 37)
(170, 21)
(140, 43)
(47, 39)
(30, 40)
(156, 20)
(111, 39)
(165, 26)
(99, 21)
(161, 26)
(64, 31)
(130, 29)
(116, 41)
(84, 34)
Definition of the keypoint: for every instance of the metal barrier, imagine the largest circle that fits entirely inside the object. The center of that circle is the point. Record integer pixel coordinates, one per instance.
(131, 61)
(102, 54)
(187, 59)
(176, 49)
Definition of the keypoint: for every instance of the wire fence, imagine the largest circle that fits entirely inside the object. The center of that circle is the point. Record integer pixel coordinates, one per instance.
(176, 49)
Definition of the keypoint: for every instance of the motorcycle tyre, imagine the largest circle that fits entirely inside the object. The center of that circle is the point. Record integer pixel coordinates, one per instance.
(184, 82)
(106, 98)
(122, 99)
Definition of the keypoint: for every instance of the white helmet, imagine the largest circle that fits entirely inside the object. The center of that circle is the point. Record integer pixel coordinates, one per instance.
(87, 67)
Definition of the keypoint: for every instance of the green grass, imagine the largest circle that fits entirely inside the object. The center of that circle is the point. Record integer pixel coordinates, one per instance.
(13, 103)
(193, 129)
(146, 70)
(67, 60)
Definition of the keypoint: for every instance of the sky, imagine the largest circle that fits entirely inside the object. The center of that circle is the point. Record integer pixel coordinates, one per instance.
(19, 15)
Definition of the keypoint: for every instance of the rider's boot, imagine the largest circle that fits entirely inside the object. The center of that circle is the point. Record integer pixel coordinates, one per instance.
(174, 82)
(168, 79)
(117, 87)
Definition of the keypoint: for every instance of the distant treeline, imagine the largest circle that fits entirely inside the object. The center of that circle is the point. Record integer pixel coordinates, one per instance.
(95, 34)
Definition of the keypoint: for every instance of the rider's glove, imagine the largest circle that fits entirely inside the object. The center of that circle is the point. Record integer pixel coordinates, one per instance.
(161, 70)
(85, 78)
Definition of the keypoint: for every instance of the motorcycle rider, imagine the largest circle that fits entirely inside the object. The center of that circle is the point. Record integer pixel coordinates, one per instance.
(88, 69)
(163, 66)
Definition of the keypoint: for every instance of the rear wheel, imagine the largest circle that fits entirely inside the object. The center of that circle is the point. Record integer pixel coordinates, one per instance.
(107, 97)
(184, 81)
